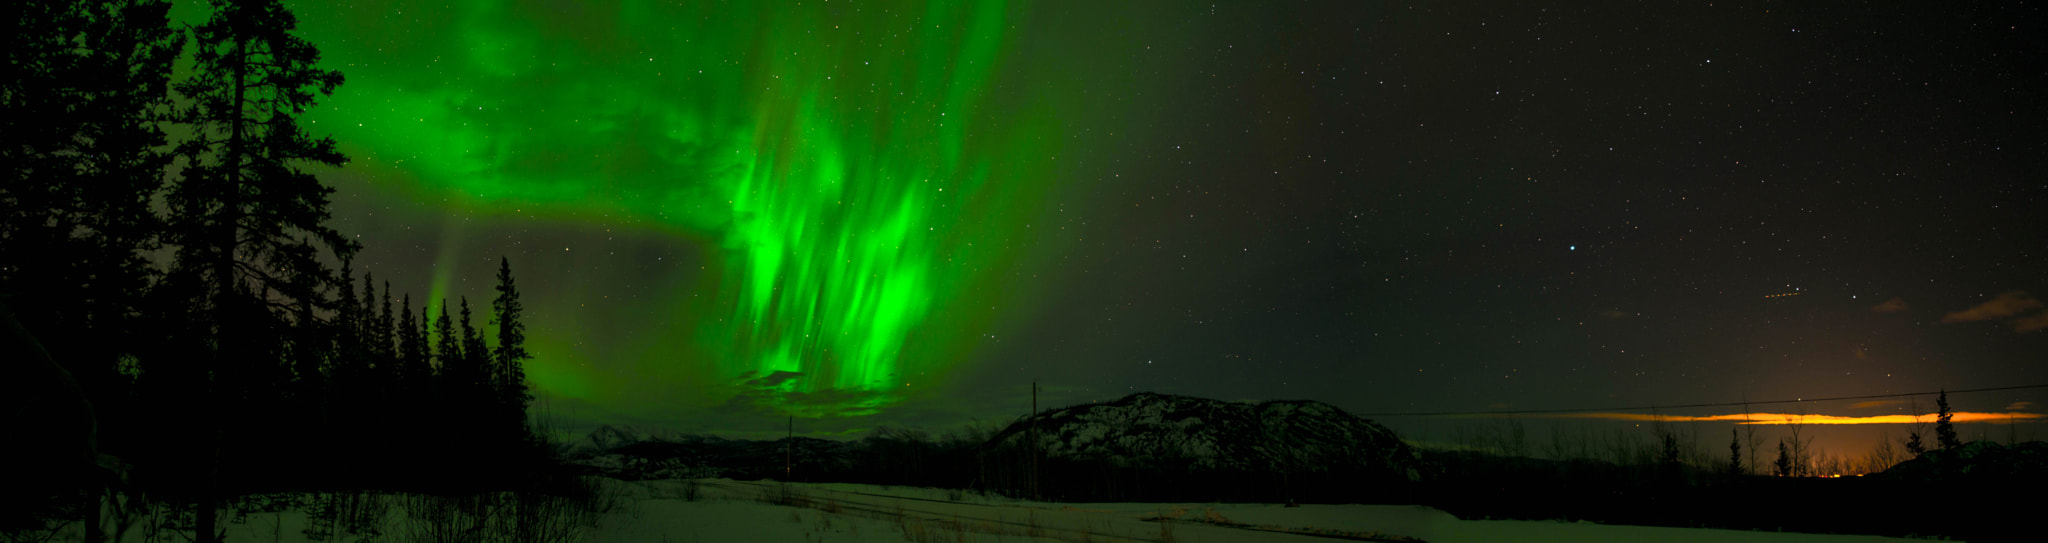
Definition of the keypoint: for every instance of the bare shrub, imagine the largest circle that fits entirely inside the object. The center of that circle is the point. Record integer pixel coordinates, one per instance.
(786, 494)
(335, 514)
(1882, 457)
(1802, 455)
(559, 514)
(436, 519)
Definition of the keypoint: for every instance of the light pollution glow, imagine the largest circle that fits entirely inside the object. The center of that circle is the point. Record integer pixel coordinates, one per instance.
(1792, 418)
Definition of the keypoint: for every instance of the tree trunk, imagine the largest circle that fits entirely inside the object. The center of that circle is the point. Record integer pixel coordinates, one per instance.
(225, 292)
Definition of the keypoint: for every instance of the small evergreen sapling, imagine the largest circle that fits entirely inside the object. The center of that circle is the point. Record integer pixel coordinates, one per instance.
(1784, 463)
(1734, 453)
(1943, 428)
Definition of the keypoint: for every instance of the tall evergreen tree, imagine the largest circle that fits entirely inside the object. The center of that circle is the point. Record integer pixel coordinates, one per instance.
(510, 355)
(82, 148)
(349, 322)
(412, 359)
(81, 159)
(348, 312)
(1944, 429)
(425, 335)
(476, 360)
(79, 134)
(383, 355)
(250, 225)
(476, 354)
(81, 96)
(247, 221)
(369, 306)
(464, 395)
(450, 345)
(311, 345)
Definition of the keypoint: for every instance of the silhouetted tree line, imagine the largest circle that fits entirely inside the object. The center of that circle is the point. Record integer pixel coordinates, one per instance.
(444, 399)
(163, 239)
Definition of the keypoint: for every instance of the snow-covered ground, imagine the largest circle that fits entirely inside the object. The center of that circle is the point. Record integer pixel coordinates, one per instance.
(740, 511)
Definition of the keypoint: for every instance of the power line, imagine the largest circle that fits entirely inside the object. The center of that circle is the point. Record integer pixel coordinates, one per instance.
(1726, 404)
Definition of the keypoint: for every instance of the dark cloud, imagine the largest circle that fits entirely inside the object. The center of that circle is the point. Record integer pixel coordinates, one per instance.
(2005, 305)
(764, 397)
(2031, 323)
(771, 380)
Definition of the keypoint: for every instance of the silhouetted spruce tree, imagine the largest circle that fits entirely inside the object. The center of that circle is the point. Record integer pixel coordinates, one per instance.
(82, 153)
(1735, 467)
(1914, 444)
(349, 373)
(459, 376)
(1784, 463)
(473, 346)
(1668, 452)
(413, 368)
(1943, 427)
(311, 347)
(81, 143)
(465, 397)
(345, 329)
(510, 355)
(425, 335)
(477, 360)
(1670, 465)
(248, 223)
(454, 364)
(349, 322)
(245, 218)
(383, 355)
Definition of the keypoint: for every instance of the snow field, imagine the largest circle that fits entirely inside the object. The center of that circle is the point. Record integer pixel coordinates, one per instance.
(720, 510)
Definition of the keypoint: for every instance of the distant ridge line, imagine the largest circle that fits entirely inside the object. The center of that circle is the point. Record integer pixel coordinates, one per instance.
(1725, 404)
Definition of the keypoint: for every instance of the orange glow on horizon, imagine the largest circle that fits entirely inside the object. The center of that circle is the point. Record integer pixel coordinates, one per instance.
(1793, 418)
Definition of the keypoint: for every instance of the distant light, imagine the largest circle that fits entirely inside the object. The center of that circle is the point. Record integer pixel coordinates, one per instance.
(1574, 247)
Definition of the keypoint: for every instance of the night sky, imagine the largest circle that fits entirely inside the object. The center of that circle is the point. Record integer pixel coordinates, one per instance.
(869, 213)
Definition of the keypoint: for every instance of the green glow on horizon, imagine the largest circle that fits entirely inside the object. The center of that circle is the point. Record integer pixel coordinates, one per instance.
(849, 163)
(444, 272)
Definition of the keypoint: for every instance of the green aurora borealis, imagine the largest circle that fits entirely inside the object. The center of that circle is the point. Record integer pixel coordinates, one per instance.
(856, 175)
(869, 214)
